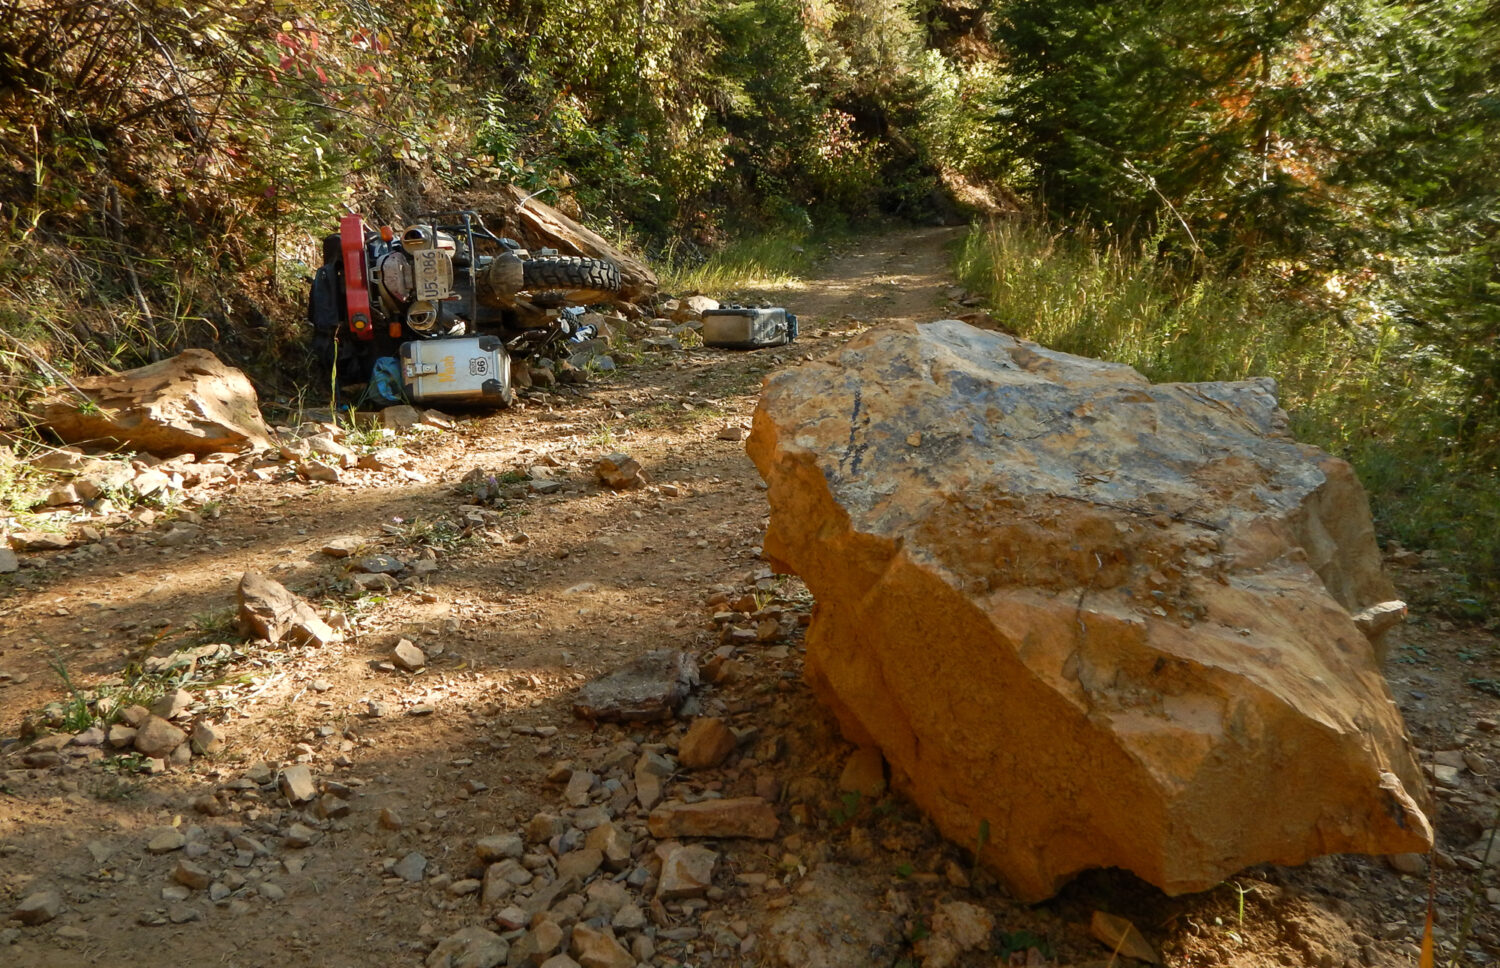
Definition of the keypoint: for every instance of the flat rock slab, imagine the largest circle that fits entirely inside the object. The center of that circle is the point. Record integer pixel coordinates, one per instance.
(1108, 621)
(733, 817)
(650, 688)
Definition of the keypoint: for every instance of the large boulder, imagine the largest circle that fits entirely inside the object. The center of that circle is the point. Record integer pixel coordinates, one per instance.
(1090, 621)
(189, 404)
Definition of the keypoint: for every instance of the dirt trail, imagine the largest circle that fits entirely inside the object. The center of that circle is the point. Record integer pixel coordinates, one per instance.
(544, 593)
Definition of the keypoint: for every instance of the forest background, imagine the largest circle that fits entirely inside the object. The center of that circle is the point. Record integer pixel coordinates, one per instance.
(1200, 188)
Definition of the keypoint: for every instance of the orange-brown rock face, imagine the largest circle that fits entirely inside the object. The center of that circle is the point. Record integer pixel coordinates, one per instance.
(1109, 618)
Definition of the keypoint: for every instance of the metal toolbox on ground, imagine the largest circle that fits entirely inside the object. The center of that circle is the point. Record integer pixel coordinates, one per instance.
(471, 370)
(748, 328)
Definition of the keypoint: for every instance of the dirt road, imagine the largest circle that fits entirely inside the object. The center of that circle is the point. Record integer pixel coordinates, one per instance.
(522, 602)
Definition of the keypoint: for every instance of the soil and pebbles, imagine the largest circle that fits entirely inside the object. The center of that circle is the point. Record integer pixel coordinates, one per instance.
(530, 718)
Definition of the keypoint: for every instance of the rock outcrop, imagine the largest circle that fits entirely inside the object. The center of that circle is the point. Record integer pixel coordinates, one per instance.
(1106, 621)
(189, 404)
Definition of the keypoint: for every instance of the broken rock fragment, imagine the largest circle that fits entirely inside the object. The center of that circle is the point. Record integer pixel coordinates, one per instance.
(708, 742)
(687, 872)
(38, 908)
(268, 611)
(733, 817)
(1091, 615)
(620, 472)
(650, 688)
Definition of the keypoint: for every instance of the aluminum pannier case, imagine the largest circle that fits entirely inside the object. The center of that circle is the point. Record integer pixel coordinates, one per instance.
(473, 370)
(748, 328)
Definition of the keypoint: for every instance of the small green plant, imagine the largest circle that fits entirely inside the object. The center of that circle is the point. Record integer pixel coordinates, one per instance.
(904, 870)
(849, 804)
(1240, 891)
(217, 624)
(603, 436)
(983, 841)
(439, 533)
(76, 713)
(111, 786)
(1012, 942)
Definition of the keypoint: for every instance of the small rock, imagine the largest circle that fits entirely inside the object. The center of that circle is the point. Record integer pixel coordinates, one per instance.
(191, 875)
(408, 657)
(539, 943)
(39, 541)
(738, 817)
(205, 738)
(687, 872)
(579, 785)
(400, 417)
(374, 583)
(1413, 864)
(9, 563)
(512, 918)
(296, 783)
(648, 689)
(1120, 935)
(650, 770)
(613, 843)
(599, 949)
(733, 433)
(120, 736)
(93, 736)
(580, 864)
(708, 742)
(267, 610)
(38, 908)
(343, 546)
(471, 947)
(316, 470)
(165, 840)
(411, 867)
(135, 716)
(629, 918)
(499, 847)
(620, 472)
(157, 738)
(299, 836)
(381, 565)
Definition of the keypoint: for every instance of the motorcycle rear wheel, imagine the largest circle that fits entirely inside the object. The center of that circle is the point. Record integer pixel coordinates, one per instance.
(580, 280)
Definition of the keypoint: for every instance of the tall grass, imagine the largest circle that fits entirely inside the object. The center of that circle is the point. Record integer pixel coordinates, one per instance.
(761, 261)
(1359, 385)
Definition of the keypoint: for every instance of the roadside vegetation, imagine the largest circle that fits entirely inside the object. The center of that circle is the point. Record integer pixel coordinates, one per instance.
(1300, 190)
